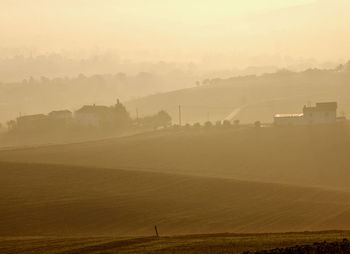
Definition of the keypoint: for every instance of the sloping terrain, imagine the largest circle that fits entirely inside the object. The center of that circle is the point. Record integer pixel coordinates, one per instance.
(288, 30)
(262, 96)
(63, 200)
(311, 156)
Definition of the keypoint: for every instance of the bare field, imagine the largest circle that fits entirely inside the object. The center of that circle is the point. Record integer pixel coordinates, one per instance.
(55, 200)
(310, 156)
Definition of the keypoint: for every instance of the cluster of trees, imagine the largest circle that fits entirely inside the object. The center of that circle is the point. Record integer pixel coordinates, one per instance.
(340, 72)
(160, 120)
(16, 66)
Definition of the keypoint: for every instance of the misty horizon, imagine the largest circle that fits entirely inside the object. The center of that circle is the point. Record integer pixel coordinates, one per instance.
(185, 31)
(174, 126)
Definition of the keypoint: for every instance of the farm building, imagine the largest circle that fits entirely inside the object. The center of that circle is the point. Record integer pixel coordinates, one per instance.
(93, 116)
(322, 113)
(61, 115)
(29, 122)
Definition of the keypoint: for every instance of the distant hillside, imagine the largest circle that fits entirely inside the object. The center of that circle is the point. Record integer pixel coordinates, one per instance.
(314, 155)
(61, 200)
(34, 96)
(262, 96)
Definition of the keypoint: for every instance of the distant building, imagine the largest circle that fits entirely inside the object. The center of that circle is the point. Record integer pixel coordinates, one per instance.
(61, 115)
(289, 119)
(60, 119)
(31, 121)
(94, 116)
(341, 119)
(322, 113)
(114, 117)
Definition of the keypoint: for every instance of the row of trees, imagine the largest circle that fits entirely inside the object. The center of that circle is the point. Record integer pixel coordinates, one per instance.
(218, 125)
(161, 119)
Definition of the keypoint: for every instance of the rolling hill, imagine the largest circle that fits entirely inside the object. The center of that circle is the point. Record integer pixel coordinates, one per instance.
(289, 32)
(56, 200)
(310, 156)
(263, 96)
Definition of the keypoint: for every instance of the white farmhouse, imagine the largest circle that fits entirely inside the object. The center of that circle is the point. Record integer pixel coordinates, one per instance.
(322, 113)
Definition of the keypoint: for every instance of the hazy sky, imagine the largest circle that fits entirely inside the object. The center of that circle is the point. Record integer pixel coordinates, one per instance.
(166, 26)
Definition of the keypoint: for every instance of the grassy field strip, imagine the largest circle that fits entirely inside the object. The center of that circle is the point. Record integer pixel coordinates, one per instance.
(220, 243)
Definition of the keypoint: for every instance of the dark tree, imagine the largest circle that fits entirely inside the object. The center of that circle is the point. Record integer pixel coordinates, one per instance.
(226, 124)
(163, 119)
(208, 124)
(11, 124)
(196, 125)
(257, 124)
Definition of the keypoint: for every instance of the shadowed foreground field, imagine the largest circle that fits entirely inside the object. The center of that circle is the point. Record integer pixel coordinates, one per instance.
(55, 200)
(337, 247)
(221, 243)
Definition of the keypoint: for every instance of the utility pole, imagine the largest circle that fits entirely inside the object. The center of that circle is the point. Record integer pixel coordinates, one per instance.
(137, 114)
(179, 115)
(156, 230)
